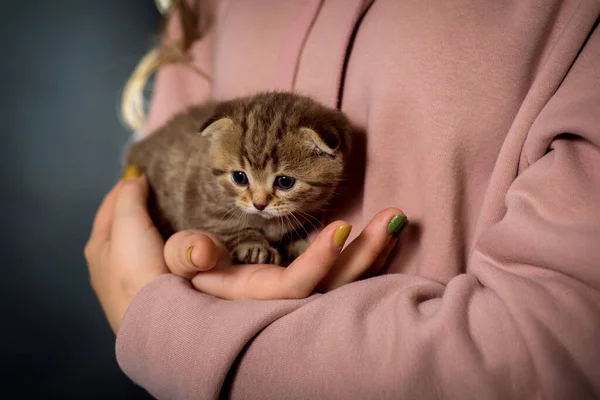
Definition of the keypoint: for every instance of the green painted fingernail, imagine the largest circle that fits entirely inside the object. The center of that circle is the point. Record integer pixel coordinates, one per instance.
(397, 224)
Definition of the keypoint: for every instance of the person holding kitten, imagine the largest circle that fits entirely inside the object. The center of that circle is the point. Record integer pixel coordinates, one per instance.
(479, 119)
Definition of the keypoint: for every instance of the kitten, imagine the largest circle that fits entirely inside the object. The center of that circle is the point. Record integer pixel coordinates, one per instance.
(255, 172)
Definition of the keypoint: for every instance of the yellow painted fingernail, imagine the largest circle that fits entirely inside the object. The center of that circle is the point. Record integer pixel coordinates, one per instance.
(132, 172)
(341, 234)
(189, 256)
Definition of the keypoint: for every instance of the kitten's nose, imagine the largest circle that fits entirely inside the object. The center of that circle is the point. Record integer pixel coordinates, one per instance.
(259, 206)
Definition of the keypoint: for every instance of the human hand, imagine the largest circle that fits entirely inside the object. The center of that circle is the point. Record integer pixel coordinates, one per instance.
(197, 256)
(125, 250)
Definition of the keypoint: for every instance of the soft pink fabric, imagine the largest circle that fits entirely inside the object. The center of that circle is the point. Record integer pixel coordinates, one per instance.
(483, 123)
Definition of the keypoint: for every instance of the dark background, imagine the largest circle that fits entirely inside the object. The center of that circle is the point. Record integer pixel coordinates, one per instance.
(63, 65)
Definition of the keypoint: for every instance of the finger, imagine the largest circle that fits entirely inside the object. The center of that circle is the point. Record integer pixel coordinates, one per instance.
(304, 274)
(366, 249)
(382, 259)
(104, 216)
(251, 281)
(266, 282)
(189, 252)
(132, 204)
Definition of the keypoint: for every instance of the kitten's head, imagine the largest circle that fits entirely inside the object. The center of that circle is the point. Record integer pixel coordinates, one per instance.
(276, 154)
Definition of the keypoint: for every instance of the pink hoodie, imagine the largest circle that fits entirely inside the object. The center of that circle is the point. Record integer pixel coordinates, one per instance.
(482, 123)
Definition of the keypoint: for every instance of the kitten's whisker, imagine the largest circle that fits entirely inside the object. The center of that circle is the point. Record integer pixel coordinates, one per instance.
(243, 220)
(234, 208)
(310, 222)
(290, 233)
(235, 216)
(280, 219)
(301, 226)
(238, 218)
(313, 218)
(307, 216)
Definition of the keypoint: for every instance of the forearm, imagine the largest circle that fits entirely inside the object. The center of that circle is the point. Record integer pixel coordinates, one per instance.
(179, 343)
(388, 337)
(423, 342)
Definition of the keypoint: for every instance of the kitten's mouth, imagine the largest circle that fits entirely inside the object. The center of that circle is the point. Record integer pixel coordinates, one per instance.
(266, 214)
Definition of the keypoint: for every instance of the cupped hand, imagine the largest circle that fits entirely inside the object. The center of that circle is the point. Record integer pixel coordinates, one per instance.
(125, 250)
(325, 265)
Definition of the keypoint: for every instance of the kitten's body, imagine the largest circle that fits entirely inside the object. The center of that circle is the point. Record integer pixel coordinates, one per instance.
(190, 161)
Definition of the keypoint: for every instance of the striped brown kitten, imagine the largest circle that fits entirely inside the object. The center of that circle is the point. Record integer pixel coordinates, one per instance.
(256, 172)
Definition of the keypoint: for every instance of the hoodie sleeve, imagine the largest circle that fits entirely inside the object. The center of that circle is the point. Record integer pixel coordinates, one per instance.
(523, 321)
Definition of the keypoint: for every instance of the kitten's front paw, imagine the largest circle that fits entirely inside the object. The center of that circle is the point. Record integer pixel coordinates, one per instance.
(255, 253)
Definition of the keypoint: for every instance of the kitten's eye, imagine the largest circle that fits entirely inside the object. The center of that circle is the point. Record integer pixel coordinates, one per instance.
(284, 182)
(239, 178)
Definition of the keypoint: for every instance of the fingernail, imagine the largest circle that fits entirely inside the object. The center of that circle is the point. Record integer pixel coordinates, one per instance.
(341, 234)
(397, 224)
(132, 172)
(189, 256)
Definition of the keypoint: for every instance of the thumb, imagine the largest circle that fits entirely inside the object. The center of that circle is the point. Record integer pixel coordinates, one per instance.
(131, 205)
(189, 252)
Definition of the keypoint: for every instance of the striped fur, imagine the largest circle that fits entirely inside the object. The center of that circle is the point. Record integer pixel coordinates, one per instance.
(190, 160)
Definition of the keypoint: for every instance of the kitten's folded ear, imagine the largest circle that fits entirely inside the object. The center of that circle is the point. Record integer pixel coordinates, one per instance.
(328, 138)
(215, 125)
